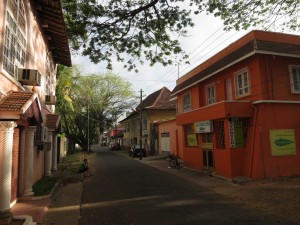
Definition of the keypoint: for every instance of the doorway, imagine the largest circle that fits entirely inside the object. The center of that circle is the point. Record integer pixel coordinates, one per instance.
(207, 150)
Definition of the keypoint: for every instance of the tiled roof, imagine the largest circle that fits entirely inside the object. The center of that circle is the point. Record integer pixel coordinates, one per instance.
(15, 101)
(158, 100)
(254, 42)
(52, 121)
(51, 16)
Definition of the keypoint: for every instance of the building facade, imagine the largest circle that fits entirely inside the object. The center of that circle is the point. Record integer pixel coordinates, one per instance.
(32, 42)
(239, 111)
(168, 139)
(140, 125)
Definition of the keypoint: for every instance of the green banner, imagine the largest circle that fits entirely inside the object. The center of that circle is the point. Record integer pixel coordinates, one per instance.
(283, 142)
(236, 133)
(192, 140)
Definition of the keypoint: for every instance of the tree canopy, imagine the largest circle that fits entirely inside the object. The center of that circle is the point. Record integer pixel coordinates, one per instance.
(89, 104)
(138, 30)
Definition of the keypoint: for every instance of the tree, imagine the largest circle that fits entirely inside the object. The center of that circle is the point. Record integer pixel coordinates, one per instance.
(140, 29)
(149, 29)
(243, 14)
(88, 104)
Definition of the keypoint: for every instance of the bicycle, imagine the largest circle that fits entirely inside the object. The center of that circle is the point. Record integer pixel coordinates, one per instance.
(174, 161)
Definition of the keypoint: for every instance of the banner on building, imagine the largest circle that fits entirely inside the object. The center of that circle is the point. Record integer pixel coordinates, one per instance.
(236, 132)
(204, 127)
(283, 142)
(192, 140)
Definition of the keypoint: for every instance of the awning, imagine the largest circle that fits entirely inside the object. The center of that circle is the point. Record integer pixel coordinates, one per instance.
(22, 107)
(53, 121)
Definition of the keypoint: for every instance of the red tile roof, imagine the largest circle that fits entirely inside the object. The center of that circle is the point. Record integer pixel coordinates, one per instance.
(52, 121)
(158, 100)
(16, 101)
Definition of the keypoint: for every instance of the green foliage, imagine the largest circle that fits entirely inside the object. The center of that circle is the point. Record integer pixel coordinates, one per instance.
(44, 186)
(89, 104)
(128, 30)
(251, 13)
(137, 30)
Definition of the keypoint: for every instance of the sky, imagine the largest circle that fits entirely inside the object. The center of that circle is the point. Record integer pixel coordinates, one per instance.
(204, 40)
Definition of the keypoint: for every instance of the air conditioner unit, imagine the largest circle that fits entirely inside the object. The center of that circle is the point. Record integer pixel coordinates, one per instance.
(29, 77)
(41, 134)
(50, 100)
(46, 146)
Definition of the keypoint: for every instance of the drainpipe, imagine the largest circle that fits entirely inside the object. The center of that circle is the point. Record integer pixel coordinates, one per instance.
(253, 141)
(176, 132)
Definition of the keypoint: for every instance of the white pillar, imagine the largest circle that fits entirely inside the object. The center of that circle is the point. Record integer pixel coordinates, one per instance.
(54, 153)
(6, 147)
(48, 156)
(28, 160)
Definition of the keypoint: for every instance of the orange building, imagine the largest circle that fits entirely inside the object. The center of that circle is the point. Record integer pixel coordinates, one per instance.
(239, 111)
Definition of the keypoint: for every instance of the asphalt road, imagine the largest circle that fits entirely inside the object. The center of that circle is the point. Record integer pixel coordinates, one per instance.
(124, 191)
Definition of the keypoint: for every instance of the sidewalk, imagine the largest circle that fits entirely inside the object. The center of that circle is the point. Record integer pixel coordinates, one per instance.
(61, 206)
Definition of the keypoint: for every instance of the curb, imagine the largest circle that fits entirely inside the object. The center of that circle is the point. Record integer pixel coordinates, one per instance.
(28, 219)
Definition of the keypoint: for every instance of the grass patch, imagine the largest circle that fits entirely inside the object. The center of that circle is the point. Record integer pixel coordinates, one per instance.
(67, 171)
(44, 186)
(71, 163)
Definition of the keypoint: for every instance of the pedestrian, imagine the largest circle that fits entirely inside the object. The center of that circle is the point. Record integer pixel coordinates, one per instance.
(85, 169)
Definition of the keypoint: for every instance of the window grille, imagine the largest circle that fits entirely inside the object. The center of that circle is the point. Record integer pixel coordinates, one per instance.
(210, 94)
(295, 79)
(14, 41)
(186, 102)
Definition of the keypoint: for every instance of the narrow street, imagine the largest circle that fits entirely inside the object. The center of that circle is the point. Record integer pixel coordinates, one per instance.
(124, 191)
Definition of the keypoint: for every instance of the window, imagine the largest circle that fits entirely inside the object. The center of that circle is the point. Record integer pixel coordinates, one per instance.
(48, 77)
(47, 84)
(295, 79)
(190, 136)
(242, 83)
(228, 90)
(144, 124)
(14, 41)
(210, 94)
(186, 102)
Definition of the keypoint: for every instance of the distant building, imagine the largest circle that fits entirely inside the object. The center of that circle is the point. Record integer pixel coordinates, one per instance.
(139, 126)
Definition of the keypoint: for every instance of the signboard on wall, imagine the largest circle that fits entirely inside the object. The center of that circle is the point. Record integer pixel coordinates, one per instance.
(203, 127)
(192, 140)
(236, 132)
(283, 142)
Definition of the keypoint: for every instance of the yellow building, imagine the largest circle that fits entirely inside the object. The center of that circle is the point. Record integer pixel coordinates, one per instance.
(140, 124)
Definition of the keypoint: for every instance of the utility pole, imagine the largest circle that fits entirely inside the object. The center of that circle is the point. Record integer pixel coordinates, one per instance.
(141, 126)
(88, 139)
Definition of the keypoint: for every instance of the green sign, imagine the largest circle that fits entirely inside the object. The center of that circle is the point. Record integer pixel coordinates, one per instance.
(236, 133)
(192, 140)
(283, 142)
